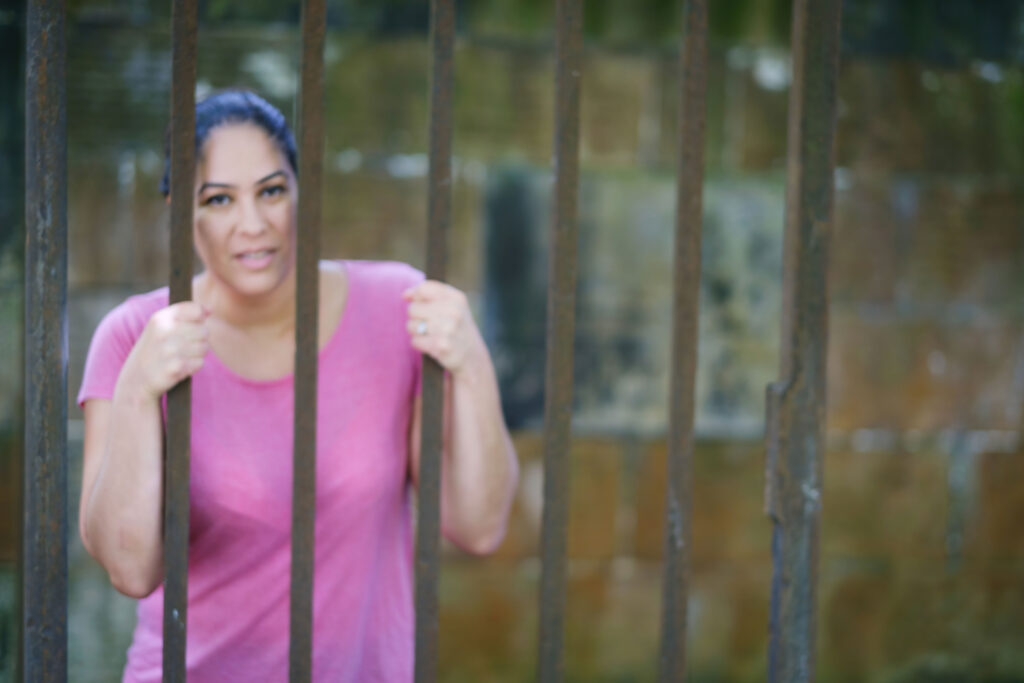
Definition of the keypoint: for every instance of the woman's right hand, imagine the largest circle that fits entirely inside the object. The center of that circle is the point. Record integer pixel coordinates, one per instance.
(122, 473)
(170, 348)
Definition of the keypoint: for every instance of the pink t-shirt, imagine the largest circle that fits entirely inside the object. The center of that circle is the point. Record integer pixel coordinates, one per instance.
(241, 485)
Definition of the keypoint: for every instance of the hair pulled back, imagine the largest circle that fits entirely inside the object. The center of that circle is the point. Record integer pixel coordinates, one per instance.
(232, 107)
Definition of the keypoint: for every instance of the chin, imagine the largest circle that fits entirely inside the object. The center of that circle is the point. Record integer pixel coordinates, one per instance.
(256, 284)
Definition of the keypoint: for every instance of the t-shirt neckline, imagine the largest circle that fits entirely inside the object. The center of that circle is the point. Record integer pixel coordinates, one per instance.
(213, 359)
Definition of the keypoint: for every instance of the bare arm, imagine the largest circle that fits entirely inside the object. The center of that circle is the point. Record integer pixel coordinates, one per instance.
(122, 472)
(122, 491)
(479, 471)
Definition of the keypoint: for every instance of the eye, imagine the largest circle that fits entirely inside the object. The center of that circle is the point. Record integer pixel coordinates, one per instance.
(216, 200)
(273, 190)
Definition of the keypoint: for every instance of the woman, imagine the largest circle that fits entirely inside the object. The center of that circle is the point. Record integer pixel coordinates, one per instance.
(235, 339)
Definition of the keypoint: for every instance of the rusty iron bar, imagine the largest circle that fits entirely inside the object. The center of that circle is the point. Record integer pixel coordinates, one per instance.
(686, 301)
(439, 182)
(44, 537)
(307, 290)
(560, 334)
(795, 413)
(179, 398)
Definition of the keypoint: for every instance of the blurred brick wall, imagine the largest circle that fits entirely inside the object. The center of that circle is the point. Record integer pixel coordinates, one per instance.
(922, 568)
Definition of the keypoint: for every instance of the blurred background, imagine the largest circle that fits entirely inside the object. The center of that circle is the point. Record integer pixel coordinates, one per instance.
(922, 546)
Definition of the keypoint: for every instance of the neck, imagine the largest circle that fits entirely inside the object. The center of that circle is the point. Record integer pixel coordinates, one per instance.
(270, 313)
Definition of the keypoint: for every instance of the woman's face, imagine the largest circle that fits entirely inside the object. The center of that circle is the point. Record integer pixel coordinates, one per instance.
(245, 210)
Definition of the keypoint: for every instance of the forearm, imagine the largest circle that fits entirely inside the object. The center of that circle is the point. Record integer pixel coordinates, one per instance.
(123, 510)
(481, 471)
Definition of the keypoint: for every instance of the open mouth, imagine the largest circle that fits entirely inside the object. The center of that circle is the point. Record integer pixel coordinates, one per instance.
(257, 259)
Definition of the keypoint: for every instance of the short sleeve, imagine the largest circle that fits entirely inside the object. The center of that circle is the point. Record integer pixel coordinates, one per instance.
(111, 343)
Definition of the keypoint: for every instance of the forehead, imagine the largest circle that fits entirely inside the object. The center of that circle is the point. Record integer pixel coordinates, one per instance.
(239, 154)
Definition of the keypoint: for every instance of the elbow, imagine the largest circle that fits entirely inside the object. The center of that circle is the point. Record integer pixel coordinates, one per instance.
(484, 542)
(133, 575)
(487, 534)
(134, 584)
(128, 574)
(479, 527)
(83, 533)
(476, 534)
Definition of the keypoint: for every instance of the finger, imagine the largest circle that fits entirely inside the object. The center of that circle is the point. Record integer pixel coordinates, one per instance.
(183, 343)
(423, 345)
(448, 299)
(191, 366)
(422, 310)
(439, 350)
(436, 322)
(179, 368)
(194, 332)
(189, 311)
(426, 291)
(187, 331)
(415, 292)
(196, 349)
(421, 327)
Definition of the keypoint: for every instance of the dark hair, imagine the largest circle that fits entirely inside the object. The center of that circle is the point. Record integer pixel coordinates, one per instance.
(234, 106)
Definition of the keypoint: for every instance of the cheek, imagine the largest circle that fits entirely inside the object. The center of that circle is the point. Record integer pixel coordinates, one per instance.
(204, 236)
(282, 216)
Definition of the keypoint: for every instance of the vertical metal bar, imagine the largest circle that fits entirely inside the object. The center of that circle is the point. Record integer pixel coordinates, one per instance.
(44, 551)
(560, 332)
(689, 218)
(307, 306)
(796, 403)
(13, 154)
(179, 399)
(428, 533)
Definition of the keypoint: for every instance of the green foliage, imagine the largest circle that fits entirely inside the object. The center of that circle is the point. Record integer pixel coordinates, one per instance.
(614, 21)
(12, 141)
(950, 32)
(945, 668)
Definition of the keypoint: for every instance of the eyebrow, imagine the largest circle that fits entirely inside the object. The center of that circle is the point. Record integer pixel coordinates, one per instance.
(262, 180)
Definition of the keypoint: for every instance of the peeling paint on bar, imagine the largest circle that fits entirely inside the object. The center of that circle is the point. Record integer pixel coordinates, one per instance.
(179, 399)
(428, 533)
(795, 432)
(560, 333)
(686, 291)
(44, 575)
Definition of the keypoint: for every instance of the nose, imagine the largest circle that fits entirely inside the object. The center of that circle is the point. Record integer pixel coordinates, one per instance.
(251, 220)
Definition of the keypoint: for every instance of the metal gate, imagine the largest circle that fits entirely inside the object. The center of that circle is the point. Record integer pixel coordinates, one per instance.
(795, 403)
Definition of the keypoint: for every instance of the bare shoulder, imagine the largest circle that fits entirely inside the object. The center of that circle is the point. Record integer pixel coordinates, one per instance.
(333, 293)
(333, 277)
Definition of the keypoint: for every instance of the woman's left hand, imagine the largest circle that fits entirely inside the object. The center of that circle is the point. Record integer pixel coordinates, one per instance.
(441, 325)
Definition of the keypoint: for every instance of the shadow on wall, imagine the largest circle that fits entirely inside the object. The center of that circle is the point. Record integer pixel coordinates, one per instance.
(624, 299)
